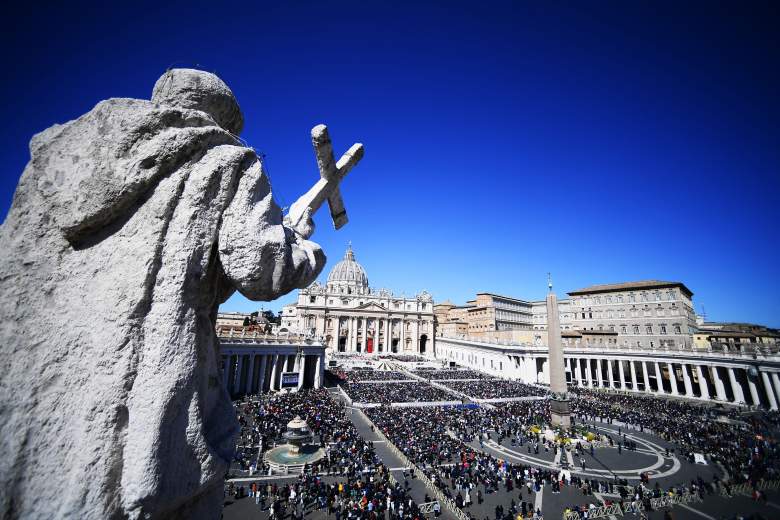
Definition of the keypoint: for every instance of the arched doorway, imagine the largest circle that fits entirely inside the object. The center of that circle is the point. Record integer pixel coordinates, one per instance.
(423, 342)
(394, 345)
(343, 344)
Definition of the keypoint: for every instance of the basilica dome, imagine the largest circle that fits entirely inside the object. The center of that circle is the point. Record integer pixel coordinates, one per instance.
(348, 273)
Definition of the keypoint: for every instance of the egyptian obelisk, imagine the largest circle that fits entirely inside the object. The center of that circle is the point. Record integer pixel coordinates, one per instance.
(560, 410)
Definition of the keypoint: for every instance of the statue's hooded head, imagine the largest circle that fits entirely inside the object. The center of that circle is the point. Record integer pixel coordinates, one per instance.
(199, 90)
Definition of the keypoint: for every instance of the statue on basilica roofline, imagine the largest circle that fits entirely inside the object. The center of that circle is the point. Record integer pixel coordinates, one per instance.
(135, 221)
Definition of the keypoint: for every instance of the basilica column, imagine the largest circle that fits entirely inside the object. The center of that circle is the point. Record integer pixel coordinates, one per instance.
(621, 374)
(301, 370)
(337, 336)
(416, 336)
(388, 333)
(687, 381)
(364, 322)
(658, 381)
(770, 392)
(736, 388)
(705, 392)
(673, 379)
(646, 377)
(261, 374)
(352, 338)
(318, 370)
(634, 385)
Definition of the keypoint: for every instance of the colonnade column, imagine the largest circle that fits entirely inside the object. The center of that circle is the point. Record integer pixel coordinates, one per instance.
(736, 388)
(753, 391)
(658, 381)
(645, 377)
(634, 385)
(719, 388)
(599, 373)
(687, 381)
(274, 370)
(705, 392)
(672, 379)
(261, 375)
(776, 381)
(250, 374)
(239, 372)
(621, 374)
(770, 392)
(588, 373)
(609, 373)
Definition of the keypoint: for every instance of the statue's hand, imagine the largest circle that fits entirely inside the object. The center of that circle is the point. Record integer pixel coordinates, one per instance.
(305, 224)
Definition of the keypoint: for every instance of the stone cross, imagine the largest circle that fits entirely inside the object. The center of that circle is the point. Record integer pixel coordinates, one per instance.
(327, 188)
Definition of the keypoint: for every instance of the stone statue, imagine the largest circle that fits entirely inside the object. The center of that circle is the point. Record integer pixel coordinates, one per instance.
(128, 228)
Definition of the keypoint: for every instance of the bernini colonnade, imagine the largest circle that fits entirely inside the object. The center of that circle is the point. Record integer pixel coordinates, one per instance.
(750, 376)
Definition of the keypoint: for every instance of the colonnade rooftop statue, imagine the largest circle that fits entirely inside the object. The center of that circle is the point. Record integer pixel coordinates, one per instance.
(129, 226)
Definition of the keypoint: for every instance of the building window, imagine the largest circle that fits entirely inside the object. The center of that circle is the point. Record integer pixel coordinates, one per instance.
(677, 329)
(663, 329)
(623, 329)
(649, 329)
(312, 299)
(632, 298)
(636, 329)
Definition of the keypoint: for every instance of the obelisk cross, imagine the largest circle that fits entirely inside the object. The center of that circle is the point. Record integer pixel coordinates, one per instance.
(327, 188)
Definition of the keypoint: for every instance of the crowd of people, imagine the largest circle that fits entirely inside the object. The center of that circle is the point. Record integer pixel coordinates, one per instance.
(366, 496)
(449, 374)
(495, 389)
(359, 375)
(395, 393)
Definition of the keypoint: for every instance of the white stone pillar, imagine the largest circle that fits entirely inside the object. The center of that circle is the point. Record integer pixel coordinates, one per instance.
(588, 376)
(274, 371)
(621, 374)
(416, 336)
(599, 376)
(337, 336)
(736, 388)
(645, 377)
(301, 370)
(609, 373)
(364, 334)
(250, 374)
(658, 381)
(388, 333)
(261, 374)
(318, 370)
(673, 379)
(776, 383)
(753, 390)
(770, 392)
(239, 372)
(719, 388)
(352, 341)
(687, 381)
(634, 385)
(705, 392)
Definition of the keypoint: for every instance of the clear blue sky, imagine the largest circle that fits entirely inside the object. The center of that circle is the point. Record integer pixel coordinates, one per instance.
(601, 141)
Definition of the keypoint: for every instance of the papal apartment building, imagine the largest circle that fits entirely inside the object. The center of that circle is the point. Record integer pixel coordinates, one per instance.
(650, 313)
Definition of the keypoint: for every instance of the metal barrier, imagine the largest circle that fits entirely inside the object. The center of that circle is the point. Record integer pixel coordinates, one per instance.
(638, 508)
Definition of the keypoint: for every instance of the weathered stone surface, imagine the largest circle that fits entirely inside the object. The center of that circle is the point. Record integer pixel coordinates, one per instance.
(128, 227)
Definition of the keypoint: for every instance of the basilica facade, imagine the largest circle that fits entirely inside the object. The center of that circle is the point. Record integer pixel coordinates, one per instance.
(351, 317)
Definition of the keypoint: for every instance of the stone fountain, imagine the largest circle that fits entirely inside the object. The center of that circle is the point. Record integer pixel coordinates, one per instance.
(293, 456)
